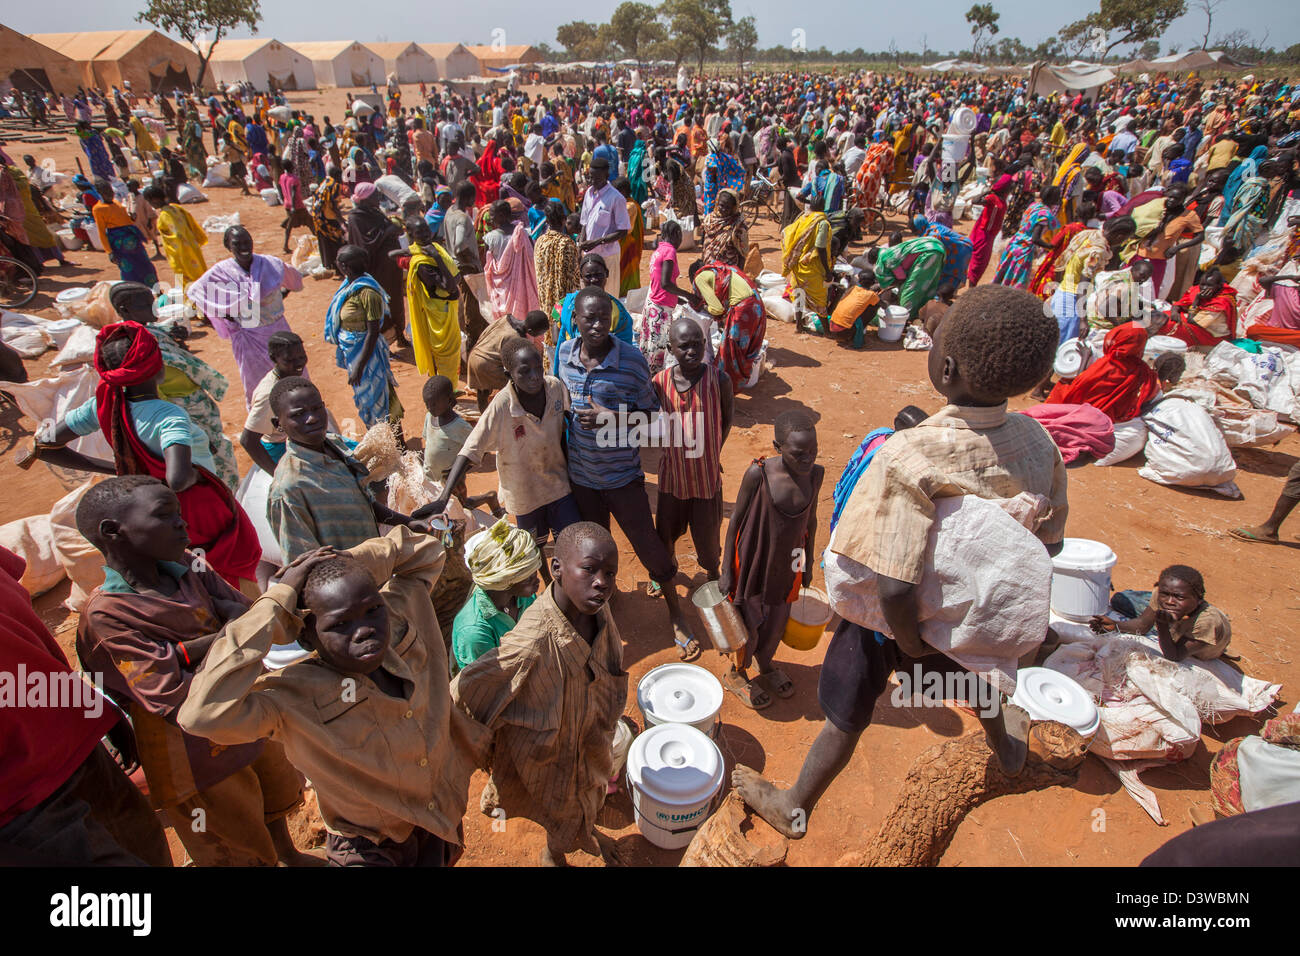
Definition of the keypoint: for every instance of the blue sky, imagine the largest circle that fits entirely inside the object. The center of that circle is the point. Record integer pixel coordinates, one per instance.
(838, 24)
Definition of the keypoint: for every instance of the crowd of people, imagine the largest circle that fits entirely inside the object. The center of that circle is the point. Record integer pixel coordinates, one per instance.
(497, 239)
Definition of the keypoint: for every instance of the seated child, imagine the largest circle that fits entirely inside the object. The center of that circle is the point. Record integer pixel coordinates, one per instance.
(365, 711)
(444, 430)
(1187, 625)
(145, 629)
(504, 569)
(767, 556)
(552, 693)
(932, 312)
(319, 495)
(261, 439)
(524, 425)
(486, 373)
(993, 344)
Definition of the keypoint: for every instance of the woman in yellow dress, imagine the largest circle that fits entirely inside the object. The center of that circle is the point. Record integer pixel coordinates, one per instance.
(807, 259)
(432, 299)
(182, 237)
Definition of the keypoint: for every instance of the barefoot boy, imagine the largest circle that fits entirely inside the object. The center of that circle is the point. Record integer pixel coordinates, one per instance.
(368, 717)
(768, 556)
(145, 629)
(552, 693)
(994, 343)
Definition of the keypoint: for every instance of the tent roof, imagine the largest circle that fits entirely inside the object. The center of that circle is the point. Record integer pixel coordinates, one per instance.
(1192, 60)
(442, 49)
(43, 50)
(95, 44)
(241, 48)
(516, 52)
(324, 49)
(390, 51)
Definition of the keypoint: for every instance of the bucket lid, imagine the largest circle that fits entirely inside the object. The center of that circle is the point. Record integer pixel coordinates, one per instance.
(1050, 695)
(675, 764)
(1080, 554)
(679, 693)
(73, 294)
(1165, 343)
(1069, 359)
(896, 314)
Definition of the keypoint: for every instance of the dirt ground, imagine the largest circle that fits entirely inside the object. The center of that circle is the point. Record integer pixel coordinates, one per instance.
(848, 392)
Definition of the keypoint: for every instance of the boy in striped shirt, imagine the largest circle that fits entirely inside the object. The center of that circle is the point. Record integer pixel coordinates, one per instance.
(698, 400)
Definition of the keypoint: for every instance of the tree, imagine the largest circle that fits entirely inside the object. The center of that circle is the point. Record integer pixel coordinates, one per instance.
(634, 27)
(194, 19)
(581, 40)
(1119, 22)
(1207, 7)
(982, 18)
(742, 41)
(698, 24)
(1149, 50)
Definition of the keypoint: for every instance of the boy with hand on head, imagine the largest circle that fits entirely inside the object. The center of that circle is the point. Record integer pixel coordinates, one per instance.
(261, 438)
(524, 425)
(319, 495)
(552, 694)
(368, 716)
(699, 402)
(145, 629)
(993, 344)
(769, 547)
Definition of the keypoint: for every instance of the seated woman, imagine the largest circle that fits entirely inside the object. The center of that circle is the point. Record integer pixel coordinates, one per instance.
(1208, 312)
(725, 235)
(1283, 287)
(1119, 383)
(1187, 624)
(152, 437)
(729, 298)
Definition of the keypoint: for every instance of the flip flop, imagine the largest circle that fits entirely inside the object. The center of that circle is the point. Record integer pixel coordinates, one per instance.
(654, 590)
(1243, 534)
(778, 682)
(685, 653)
(750, 692)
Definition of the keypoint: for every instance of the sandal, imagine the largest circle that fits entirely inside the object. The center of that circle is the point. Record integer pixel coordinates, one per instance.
(1243, 534)
(654, 590)
(778, 682)
(688, 650)
(751, 693)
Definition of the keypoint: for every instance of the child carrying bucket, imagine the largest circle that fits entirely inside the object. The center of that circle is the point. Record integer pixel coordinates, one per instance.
(766, 558)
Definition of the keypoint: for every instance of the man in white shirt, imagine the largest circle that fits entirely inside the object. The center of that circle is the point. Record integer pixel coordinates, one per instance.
(534, 150)
(854, 156)
(604, 221)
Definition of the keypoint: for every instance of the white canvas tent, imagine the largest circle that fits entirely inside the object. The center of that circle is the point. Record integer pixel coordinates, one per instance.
(264, 63)
(453, 60)
(410, 61)
(342, 63)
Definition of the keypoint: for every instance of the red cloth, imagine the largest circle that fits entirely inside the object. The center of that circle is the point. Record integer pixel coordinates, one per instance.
(1119, 383)
(42, 745)
(1076, 429)
(487, 181)
(1272, 333)
(217, 524)
(1193, 334)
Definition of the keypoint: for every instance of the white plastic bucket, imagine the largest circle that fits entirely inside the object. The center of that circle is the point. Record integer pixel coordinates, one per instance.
(69, 240)
(1081, 579)
(673, 772)
(680, 693)
(1046, 694)
(955, 148)
(92, 234)
(757, 370)
(963, 121)
(892, 322)
(1158, 345)
(271, 196)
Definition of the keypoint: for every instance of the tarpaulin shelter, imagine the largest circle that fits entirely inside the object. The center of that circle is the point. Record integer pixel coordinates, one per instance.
(453, 60)
(342, 63)
(1086, 78)
(410, 61)
(1179, 62)
(263, 62)
(149, 60)
(28, 65)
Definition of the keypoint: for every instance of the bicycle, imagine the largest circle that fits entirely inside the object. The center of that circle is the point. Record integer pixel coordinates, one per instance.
(764, 195)
(17, 283)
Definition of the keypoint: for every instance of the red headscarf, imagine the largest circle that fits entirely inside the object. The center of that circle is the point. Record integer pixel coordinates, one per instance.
(1119, 383)
(217, 524)
(1224, 301)
(142, 364)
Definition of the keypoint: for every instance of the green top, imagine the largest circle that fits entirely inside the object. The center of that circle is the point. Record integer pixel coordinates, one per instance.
(114, 583)
(479, 626)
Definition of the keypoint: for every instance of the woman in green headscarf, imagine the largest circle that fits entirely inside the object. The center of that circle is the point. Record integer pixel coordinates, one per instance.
(636, 172)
